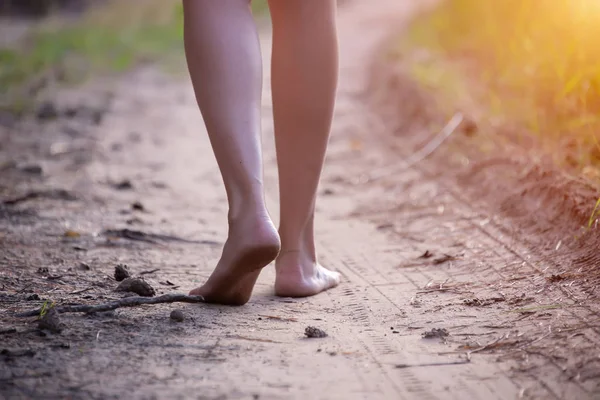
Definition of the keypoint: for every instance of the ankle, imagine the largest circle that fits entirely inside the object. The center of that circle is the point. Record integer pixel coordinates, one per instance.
(250, 211)
(289, 257)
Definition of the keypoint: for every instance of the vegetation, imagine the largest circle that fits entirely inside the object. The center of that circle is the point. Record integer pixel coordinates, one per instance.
(112, 36)
(533, 62)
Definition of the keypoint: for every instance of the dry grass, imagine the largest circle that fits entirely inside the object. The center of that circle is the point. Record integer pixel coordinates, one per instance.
(532, 62)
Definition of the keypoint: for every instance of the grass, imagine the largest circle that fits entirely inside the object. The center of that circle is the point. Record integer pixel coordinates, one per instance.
(595, 214)
(531, 62)
(111, 37)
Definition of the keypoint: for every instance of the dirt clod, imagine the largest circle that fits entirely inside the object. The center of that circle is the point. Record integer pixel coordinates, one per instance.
(84, 266)
(137, 206)
(312, 332)
(124, 185)
(436, 333)
(177, 316)
(50, 321)
(137, 286)
(47, 111)
(121, 272)
(32, 169)
(555, 278)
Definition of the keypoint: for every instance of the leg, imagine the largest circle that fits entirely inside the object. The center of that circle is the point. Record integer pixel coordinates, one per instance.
(304, 80)
(224, 62)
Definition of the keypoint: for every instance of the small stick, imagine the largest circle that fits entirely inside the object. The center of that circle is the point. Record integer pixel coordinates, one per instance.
(278, 318)
(251, 339)
(81, 291)
(434, 364)
(485, 347)
(126, 302)
(442, 290)
(149, 272)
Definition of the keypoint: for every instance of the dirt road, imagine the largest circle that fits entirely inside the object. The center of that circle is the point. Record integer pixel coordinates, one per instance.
(416, 260)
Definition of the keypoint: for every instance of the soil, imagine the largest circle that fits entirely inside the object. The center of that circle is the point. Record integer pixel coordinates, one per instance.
(459, 281)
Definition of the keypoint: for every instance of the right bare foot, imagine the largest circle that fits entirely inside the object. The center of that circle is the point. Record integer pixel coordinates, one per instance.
(297, 275)
(252, 244)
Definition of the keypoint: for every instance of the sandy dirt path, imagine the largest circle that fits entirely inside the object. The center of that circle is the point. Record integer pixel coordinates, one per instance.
(410, 256)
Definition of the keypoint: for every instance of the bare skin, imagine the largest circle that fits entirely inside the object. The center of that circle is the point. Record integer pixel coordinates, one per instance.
(224, 61)
(304, 80)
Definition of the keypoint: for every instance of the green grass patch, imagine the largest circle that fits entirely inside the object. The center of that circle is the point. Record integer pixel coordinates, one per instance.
(111, 37)
(532, 62)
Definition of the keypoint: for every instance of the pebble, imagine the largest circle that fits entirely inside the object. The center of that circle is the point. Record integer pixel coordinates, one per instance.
(177, 315)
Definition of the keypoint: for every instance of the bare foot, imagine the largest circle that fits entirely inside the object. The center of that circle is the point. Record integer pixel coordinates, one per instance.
(298, 276)
(252, 244)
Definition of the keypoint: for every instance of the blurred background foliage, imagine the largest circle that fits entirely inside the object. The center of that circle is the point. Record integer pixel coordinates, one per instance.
(536, 62)
(68, 40)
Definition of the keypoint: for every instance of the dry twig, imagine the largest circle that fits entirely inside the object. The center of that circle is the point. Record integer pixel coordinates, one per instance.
(113, 305)
(433, 364)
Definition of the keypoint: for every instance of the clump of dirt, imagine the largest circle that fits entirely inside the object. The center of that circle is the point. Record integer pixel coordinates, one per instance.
(121, 272)
(136, 285)
(436, 333)
(50, 321)
(311, 332)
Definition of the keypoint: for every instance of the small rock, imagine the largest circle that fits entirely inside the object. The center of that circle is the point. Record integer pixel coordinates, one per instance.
(84, 267)
(47, 111)
(121, 272)
(32, 169)
(312, 332)
(70, 112)
(50, 321)
(177, 315)
(125, 184)
(137, 286)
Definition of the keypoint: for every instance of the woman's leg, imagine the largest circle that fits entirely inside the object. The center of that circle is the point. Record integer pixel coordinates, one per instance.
(225, 64)
(304, 80)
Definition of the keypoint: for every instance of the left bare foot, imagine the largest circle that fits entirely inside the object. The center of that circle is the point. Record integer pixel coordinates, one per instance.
(252, 244)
